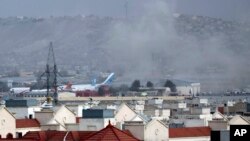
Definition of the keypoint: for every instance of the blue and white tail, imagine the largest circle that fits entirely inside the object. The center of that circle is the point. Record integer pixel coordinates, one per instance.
(109, 79)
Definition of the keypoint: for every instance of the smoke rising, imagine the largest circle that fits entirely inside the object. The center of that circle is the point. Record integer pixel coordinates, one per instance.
(157, 44)
(153, 46)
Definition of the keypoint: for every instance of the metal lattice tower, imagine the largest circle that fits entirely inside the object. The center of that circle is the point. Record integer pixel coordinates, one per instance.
(51, 70)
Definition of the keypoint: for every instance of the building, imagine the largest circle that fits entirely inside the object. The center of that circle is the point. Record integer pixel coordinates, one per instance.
(238, 120)
(23, 108)
(125, 113)
(96, 119)
(109, 133)
(156, 113)
(190, 134)
(25, 125)
(77, 109)
(58, 118)
(186, 87)
(218, 122)
(153, 130)
(7, 123)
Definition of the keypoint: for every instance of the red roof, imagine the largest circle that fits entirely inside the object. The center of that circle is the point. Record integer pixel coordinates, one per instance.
(26, 123)
(189, 132)
(52, 135)
(17, 139)
(110, 133)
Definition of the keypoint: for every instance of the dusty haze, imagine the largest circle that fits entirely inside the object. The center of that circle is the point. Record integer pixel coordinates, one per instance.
(156, 44)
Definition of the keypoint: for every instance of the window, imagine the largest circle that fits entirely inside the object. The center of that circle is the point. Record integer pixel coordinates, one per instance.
(9, 136)
(19, 134)
(30, 116)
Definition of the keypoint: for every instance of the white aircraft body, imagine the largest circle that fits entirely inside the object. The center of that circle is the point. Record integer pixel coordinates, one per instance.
(40, 91)
(83, 87)
(19, 90)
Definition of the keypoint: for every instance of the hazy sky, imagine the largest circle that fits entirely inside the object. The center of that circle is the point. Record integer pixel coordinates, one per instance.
(227, 9)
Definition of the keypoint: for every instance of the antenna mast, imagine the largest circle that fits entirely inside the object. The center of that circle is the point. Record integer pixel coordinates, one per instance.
(51, 70)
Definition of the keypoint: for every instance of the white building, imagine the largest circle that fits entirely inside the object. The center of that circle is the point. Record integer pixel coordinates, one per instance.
(7, 123)
(154, 130)
(23, 108)
(77, 109)
(124, 113)
(58, 118)
(186, 87)
(239, 120)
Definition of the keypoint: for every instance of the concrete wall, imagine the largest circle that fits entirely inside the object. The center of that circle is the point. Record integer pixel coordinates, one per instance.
(180, 105)
(23, 112)
(65, 116)
(124, 114)
(155, 131)
(158, 113)
(77, 109)
(72, 127)
(94, 124)
(19, 112)
(25, 130)
(152, 131)
(203, 110)
(51, 127)
(155, 101)
(165, 113)
(136, 129)
(7, 123)
(45, 117)
(194, 122)
(139, 108)
(218, 125)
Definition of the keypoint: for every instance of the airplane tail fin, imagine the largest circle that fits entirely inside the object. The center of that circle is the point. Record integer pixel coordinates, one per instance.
(109, 79)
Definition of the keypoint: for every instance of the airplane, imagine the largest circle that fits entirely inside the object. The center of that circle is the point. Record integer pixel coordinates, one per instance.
(23, 90)
(83, 87)
(18, 90)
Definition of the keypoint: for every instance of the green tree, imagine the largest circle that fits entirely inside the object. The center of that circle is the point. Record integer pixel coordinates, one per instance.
(135, 85)
(150, 84)
(171, 85)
